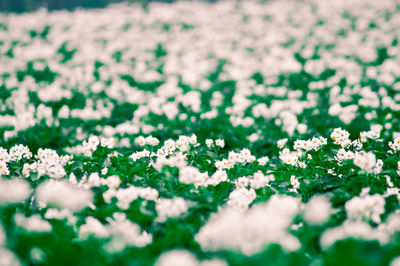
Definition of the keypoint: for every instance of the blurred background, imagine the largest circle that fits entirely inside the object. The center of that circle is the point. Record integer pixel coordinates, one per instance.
(20, 6)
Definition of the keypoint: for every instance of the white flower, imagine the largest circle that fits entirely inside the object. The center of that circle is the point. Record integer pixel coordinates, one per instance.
(94, 179)
(317, 210)
(90, 146)
(104, 171)
(288, 157)
(93, 226)
(395, 261)
(126, 195)
(4, 156)
(53, 213)
(250, 230)
(107, 142)
(220, 143)
(302, 165)
(193, 139)
(341, 137)
(295, 183)
(14, 191)
(177, 258)
(301, 128)
(191, 175)
(167, 208)
(8, 258)
(281, 143)
(369, 207)
(242, 182)
(260, 180)
(126, 233)
(112, 181)
(64, 195)
(311, 144)
(353, 229)
(218, 177)
(4, 168)
(18, 152)
(209, 143)
(388, 181)
(395, 145)
(140, 140)
(241, 198)
(183, 143)
(263, 160)
(169, 145)
(398, 167)
(367, 161)
(33, 223)
(150, 140)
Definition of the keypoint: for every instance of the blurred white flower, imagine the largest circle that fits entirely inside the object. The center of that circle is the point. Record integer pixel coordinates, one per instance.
(14, 190)
(63, 195)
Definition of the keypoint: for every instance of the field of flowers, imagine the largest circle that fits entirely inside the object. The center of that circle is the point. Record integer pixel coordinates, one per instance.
(201, 134)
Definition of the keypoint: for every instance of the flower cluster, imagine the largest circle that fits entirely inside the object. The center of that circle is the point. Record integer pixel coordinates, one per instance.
(241, 198)
(261, 224)
(312, 144)
(63, 195)
(90, 146)
(367, 162)
(169, 208)
(48, 162)
(122, 230)
(369, 207)
(126, 195)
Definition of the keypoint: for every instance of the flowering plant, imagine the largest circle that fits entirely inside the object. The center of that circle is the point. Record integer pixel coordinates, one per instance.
(201, 134)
